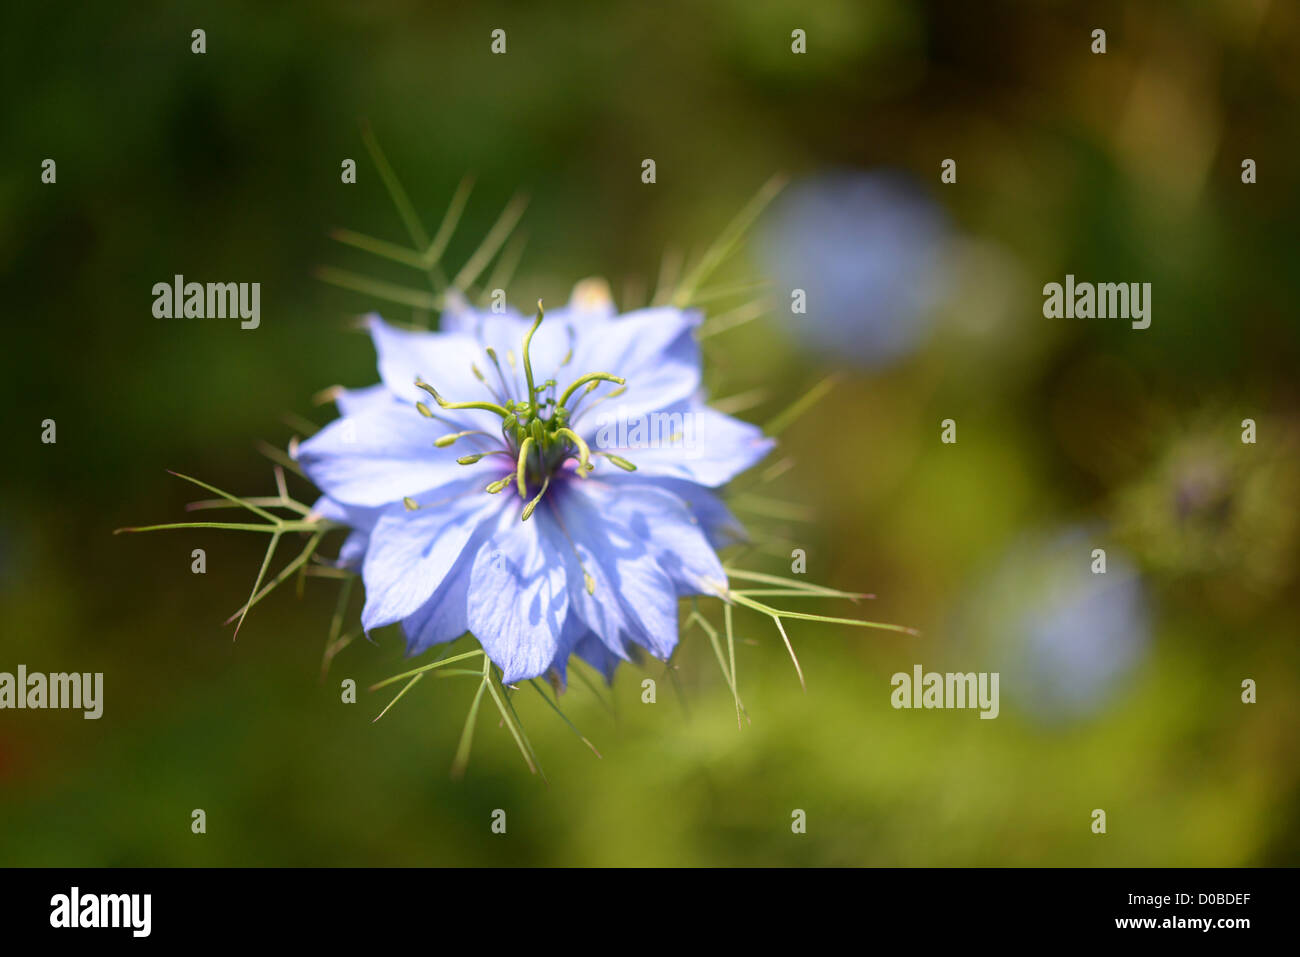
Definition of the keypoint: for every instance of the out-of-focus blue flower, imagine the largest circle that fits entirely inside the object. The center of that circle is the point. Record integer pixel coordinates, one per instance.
(1063, 637)
(529, 532)
(868, 249)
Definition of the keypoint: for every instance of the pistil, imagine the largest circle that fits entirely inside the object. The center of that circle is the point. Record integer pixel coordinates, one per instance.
(536, 428)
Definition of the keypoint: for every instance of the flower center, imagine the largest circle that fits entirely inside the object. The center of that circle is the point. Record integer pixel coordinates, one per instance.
(535, 429)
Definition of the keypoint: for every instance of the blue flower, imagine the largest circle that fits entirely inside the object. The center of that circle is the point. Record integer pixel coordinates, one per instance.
(868, 249)
(486, 492)
(1065, 638)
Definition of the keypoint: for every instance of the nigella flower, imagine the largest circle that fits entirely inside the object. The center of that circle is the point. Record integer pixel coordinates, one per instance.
(868, 250)
(481, 500)
(1065, 636)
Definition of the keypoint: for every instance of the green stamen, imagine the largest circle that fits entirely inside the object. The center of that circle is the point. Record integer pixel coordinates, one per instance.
(447, 440)
(592, 377)
(584, 452)
(524, 448)
(528, 363)
(528, 509)
(498, 485)
(485, 406)
(621, 462)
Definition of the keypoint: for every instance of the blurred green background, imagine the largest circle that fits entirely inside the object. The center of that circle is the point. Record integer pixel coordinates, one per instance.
(1121, 693)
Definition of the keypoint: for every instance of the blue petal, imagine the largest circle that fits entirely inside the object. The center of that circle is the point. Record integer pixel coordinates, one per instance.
(634, 599)
(353, 550)
(573, 632)
(412, 552)
(445, 360)
(445, 616)
(505, 333)
(382, 455)
(460, 317)
(686, 441)
(715, 519)
(577, 639)
(670, 531)
(361, 520)
(635, 340)
(518, 600)
(593, 651)
(327, 508)
(353, 401)
(655, 350)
